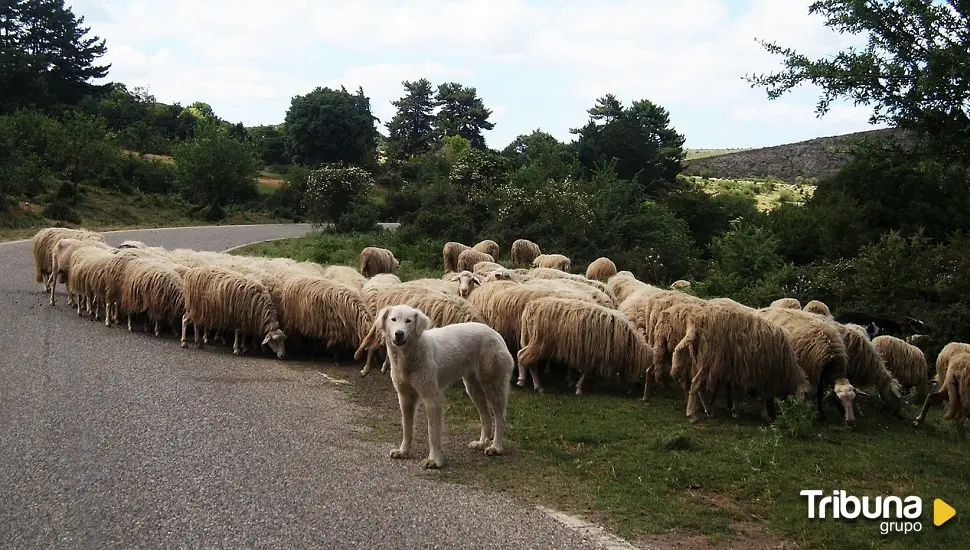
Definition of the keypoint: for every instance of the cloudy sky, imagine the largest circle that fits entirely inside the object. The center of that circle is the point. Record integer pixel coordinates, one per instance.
(536, 63)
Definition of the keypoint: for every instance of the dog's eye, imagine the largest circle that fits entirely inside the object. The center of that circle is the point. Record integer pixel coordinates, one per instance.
(393, 320)
(407, 321)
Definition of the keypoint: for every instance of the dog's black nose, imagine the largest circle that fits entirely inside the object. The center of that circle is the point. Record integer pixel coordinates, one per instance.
(399, 335)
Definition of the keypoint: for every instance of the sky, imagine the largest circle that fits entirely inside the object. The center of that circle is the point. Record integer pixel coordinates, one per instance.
(538, 64)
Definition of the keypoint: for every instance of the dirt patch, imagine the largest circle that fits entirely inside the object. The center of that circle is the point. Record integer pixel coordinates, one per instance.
(271, 182)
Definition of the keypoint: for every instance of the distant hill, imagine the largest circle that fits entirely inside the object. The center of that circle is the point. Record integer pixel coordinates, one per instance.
(814, 158)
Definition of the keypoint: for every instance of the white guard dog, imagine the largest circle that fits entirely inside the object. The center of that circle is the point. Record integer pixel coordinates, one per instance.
(425, 361)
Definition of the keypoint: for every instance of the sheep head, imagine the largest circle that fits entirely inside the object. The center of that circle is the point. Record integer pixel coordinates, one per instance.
(845, 393)
(276, 340)
(466, 280)
(892, 394)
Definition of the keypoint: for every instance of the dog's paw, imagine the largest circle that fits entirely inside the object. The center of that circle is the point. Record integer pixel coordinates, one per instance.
(432, 464)
(492, 450)
(398, 453)
(478, 445)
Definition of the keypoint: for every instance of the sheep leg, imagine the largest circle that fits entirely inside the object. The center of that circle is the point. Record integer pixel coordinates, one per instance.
(527, 360)
(433, 410)
(408, 402)
(107, 312)
(473, 387)
(185, 330)
(242, 344)
(235, 343)
(79, 300)
(158, 328)
(693, 395)
(200, 329)
(932, 400)
(53, 285)
(579, 383)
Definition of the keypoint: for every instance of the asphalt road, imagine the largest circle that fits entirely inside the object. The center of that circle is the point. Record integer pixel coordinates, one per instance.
(117, 440)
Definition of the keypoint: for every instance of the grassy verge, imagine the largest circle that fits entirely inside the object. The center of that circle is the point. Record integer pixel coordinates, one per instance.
(105, 210)
(647, 474)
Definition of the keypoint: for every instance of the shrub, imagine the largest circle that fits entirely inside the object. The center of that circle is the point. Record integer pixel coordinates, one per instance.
(59, 210)
(334, 190)
(794, 418)
(216, 170)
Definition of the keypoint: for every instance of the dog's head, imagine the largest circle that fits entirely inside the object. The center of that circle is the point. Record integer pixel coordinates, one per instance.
(401, 324)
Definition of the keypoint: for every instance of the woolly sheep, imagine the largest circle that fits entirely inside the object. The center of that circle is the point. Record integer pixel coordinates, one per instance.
(346, 275)
(484, 268)
(489, 247)
(61, 262)
(624, 284)
(821, 354)
(375, 260)
(818, 308)
(563, 330)
(867, 370)
(112, 278)
(550, 273)
(446, 286)
(594, 294)
(133, 244)
(906, 362)
(945, 357)
(221, 299)
(153, 286)
(680, 284)
(552, 261)
(468, 258)
(85, 282)
(955, 390)
(524, 251)
(788, 303)
(726, 346)
(326, 310)
(601, 269)
(649, 314)
(442, 309)
(450, 253)
(42, 245)
(666, 333)
(466, 282)
(861, 330)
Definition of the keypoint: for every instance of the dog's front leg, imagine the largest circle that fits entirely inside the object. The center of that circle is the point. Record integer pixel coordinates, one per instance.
(409, 405)
(433, 410)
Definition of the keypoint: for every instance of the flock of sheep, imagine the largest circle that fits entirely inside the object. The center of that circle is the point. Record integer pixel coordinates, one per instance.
(606, 323)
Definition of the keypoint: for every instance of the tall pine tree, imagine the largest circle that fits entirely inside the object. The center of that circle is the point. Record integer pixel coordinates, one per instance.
(462, 113)
(412, 129)
(46, 58)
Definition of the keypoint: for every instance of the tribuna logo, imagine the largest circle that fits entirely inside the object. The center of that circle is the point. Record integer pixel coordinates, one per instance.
(839, 505)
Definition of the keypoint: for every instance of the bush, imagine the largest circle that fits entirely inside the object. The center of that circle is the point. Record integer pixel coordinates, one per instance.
(148, 176)
(361, 218)
(216, 170)
(794, 418)
(59, 210)
(335, 190)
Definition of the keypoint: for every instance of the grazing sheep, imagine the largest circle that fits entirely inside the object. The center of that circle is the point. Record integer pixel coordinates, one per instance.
(326, 310)
(425, 361)
(680, 284)
(729, 347)
(443, 309)
(42, 246)
(955, 390)
(593, 293)
(524, 251)
(450, 253)
(818, 308)
(867, 370)
(821, 354)
(601, 269)
(489, 247)
(466, 282)
(648, 315)
(484, 268)
(468, 258)
(624, 284)
(666, 333)
(563, 330)
(346, 275)
(220, 299)
(906, 362)
(552, 261)
(446, 286)
(945, 357)
(786, 303)
(86, 282)
(375, 260)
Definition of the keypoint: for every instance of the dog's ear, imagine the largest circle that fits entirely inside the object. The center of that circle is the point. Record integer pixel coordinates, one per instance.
(421, 323)
(381, 318)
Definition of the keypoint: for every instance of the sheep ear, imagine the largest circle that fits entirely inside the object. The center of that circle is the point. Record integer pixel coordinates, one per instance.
(266, 340)
(454, 278)
(476, 280)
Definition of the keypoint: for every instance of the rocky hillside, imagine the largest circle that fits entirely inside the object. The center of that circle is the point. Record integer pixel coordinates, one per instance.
(815, 158)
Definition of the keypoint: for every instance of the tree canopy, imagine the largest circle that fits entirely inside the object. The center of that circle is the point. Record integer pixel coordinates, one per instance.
(46, 56)
(462, 113)
(329, 126)
(412, 130)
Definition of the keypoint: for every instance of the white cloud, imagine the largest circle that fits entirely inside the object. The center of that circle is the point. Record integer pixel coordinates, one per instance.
(684, 54)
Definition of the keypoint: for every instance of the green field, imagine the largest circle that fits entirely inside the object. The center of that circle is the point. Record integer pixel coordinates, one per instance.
(646, 473)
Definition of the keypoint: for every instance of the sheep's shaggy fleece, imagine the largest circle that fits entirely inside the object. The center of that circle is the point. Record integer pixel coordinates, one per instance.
(559, 329)
(788, 303)
(524, 251)
(680, 284)
(450, 253)
(552, 261)
(955, 390)
(469, 258)
(42, 246)
(375, 260)
(906, 362)
(601, 269)
(818, 308)
(945, 357)
(489, 247)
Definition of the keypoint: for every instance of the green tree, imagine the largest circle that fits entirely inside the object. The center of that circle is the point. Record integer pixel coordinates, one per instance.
(462, 113)
(539, 155)
(238, 131)
(46, 55)
(215, 170)
(412, 129)
(638, 137)
(331, 126)
(85, 150)
(912, 72)
(269, 144)
(335, 190)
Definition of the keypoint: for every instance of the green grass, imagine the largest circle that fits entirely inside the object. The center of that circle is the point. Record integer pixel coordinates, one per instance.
(768, 193)
(646, 473)
(692, 154)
